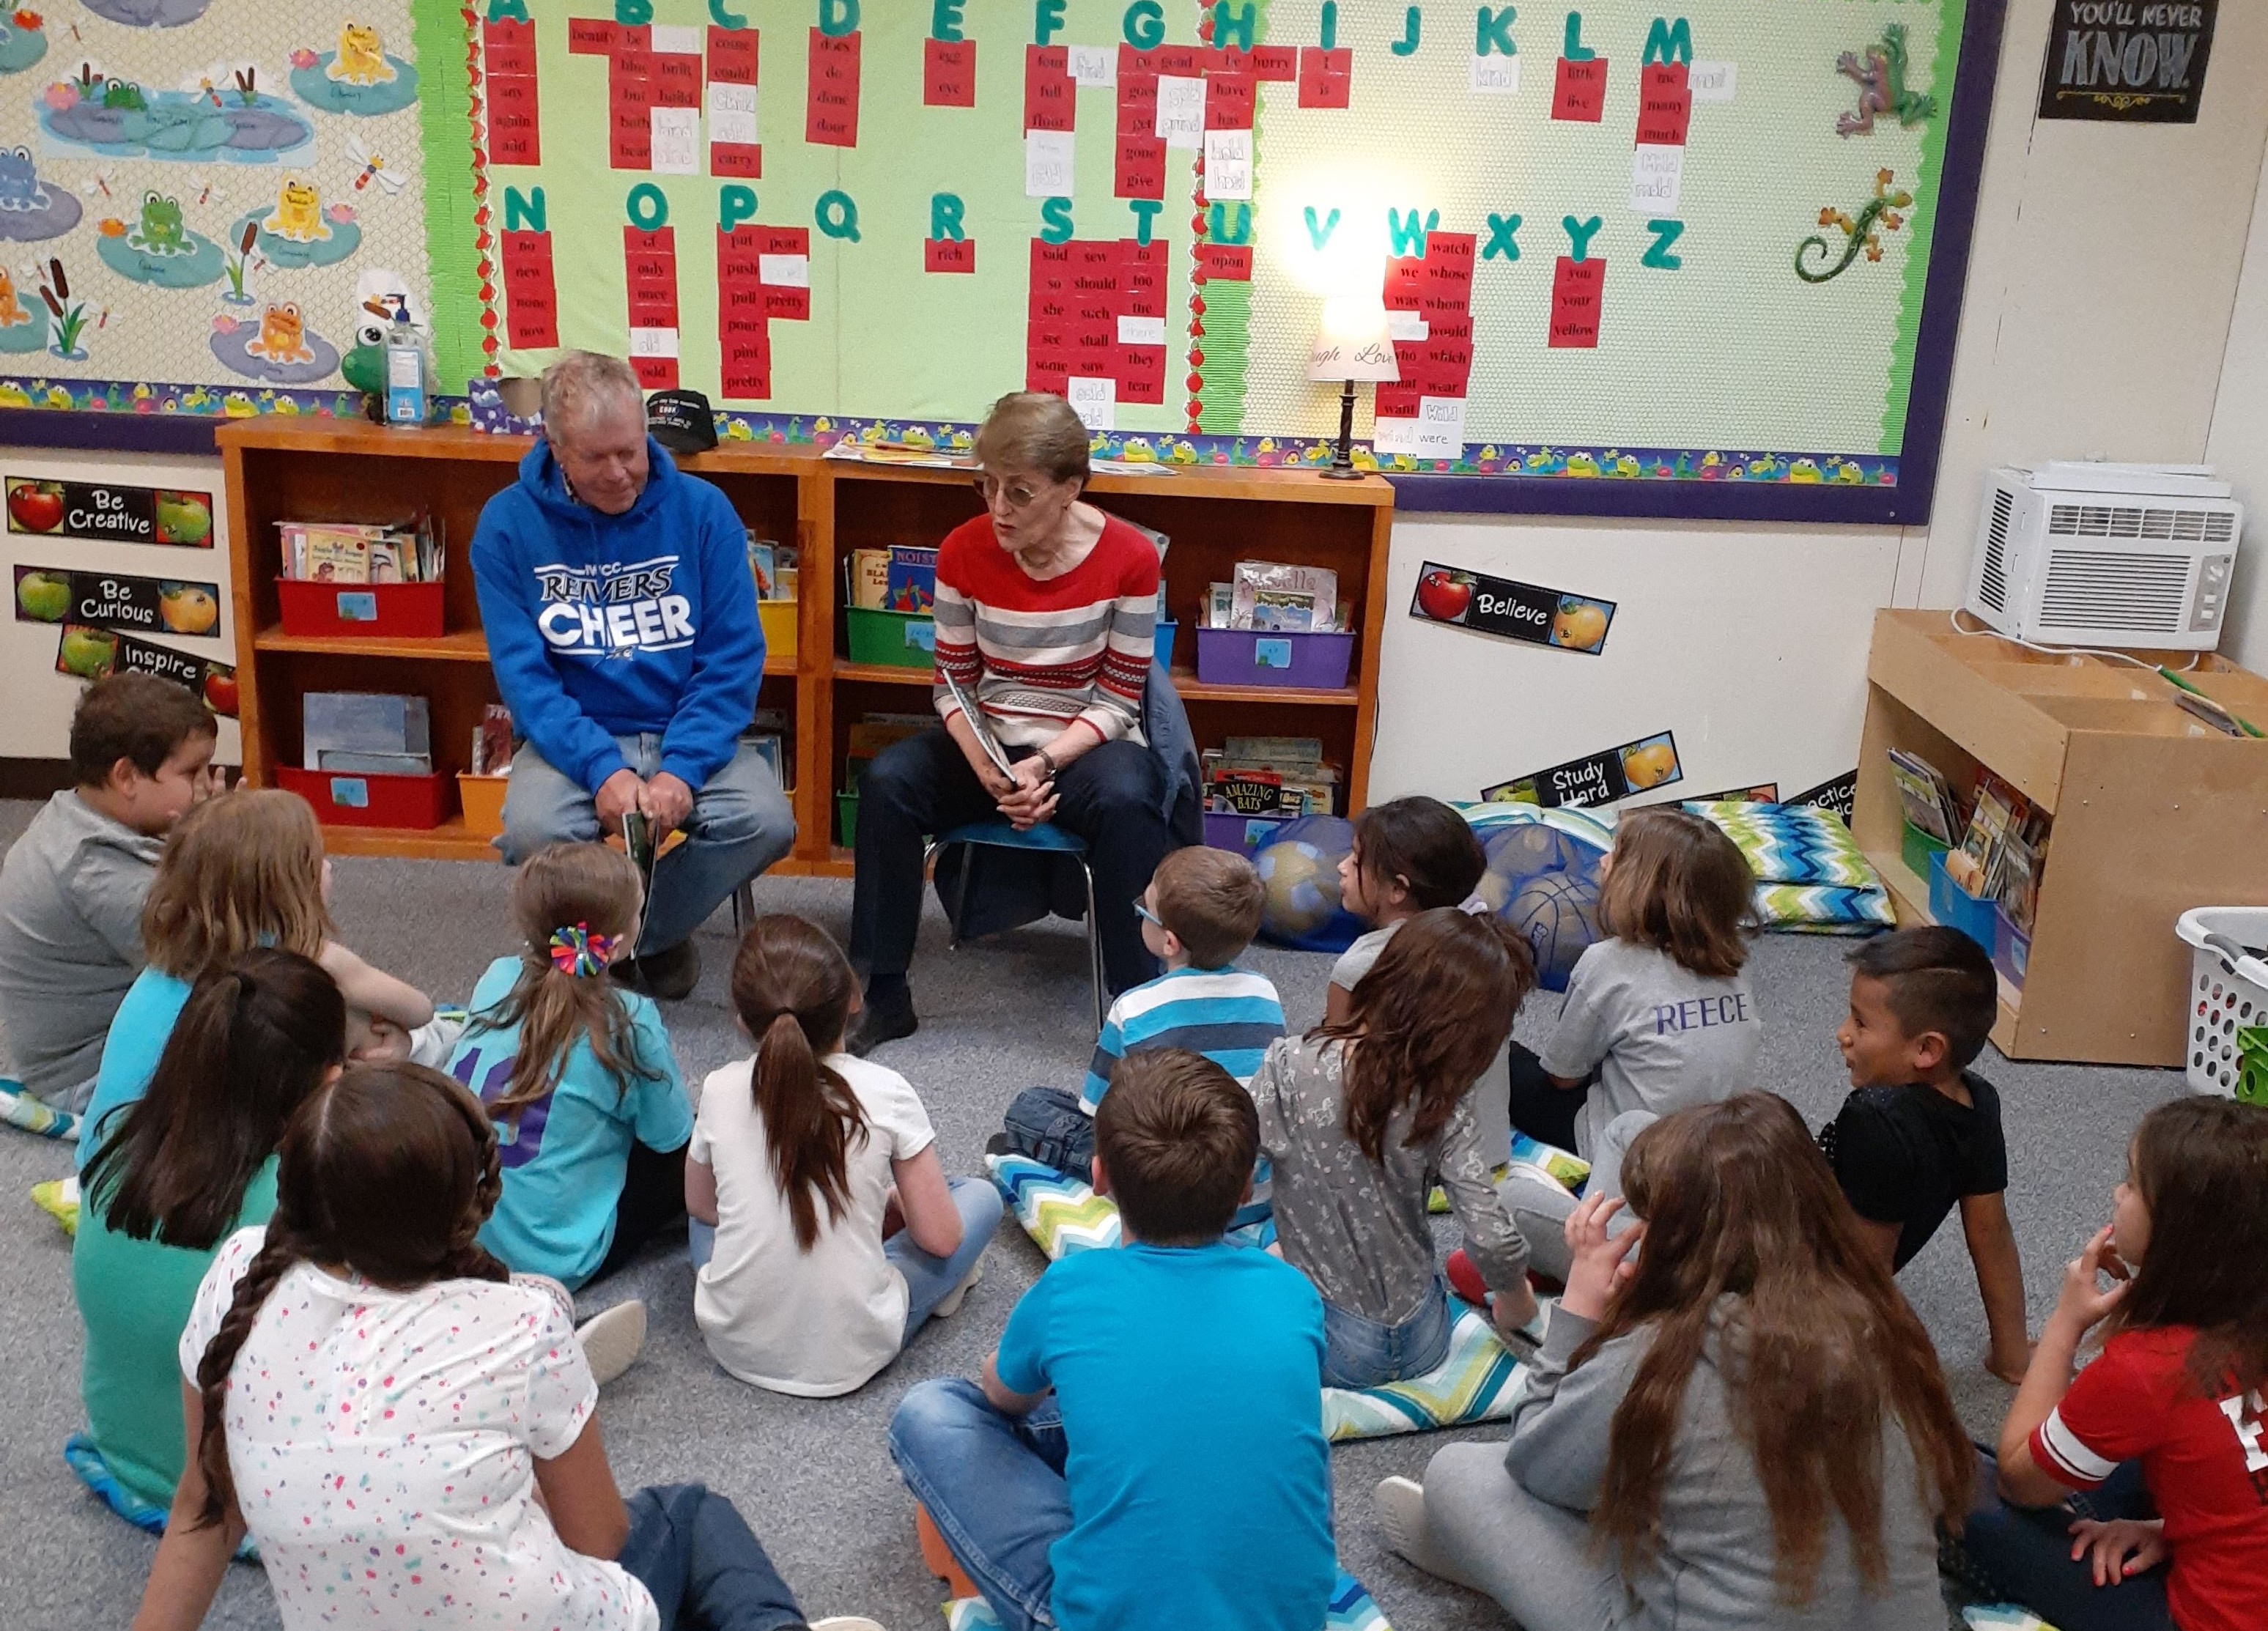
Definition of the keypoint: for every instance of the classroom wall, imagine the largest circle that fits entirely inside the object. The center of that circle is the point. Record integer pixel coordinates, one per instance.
(2238, 444)
(2105, 267)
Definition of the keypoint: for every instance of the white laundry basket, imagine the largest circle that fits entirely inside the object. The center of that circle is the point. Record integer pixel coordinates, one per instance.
(2228, 990)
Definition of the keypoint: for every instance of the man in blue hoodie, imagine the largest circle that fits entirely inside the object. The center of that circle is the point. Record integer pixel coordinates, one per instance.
(621, 623)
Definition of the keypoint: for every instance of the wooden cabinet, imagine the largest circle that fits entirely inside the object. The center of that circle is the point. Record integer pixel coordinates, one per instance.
(2154, 812)
(276, 470)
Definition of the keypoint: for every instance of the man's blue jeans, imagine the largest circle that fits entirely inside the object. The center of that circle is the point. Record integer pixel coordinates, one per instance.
(692, 1550)
(994, 1486)
(740, 824)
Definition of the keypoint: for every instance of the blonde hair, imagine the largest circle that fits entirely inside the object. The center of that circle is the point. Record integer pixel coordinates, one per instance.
(1679, 886)
(239, 871)
(1034, 430)
(583, 385)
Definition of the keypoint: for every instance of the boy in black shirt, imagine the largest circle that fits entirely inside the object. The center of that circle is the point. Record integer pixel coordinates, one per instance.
(1919, 1133)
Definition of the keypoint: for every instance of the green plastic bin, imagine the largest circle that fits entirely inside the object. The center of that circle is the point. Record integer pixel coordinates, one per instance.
(892, 639)
(1916, 847)
(846, 819)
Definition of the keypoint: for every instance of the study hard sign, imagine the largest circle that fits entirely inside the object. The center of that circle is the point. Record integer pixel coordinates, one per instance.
(2140, 61)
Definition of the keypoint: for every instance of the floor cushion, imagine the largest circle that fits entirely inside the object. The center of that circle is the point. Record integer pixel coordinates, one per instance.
(1352, 1609)
(1811, 876)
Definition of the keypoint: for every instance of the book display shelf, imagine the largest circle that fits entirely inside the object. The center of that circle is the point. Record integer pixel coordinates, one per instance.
(275, 470)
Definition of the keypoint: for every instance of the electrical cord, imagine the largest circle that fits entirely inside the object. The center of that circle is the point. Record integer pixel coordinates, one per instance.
(2069, 650)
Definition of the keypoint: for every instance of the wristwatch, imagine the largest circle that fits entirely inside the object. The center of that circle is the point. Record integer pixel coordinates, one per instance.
(1049, 760)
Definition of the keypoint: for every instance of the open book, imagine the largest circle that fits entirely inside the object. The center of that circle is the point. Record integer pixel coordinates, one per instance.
(985, 736)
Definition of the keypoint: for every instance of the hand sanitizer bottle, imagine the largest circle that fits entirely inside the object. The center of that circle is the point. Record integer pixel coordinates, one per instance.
(405, 376)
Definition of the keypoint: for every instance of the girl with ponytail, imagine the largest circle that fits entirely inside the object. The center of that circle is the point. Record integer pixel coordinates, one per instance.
(179, 1170)
(578, 1076)
(825, 1228)
(362, 1380)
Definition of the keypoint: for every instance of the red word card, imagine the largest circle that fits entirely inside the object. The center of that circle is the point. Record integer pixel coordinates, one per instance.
(949, 73)
(1580, 91)
(1276, 64)
(509, 48)
(744, 353)
(1576, 286)
(1664, 105)
(591, 36)
(515, 134)
(1141, 167)
(1326, 77)
(830, 116)
(1228, 101)
(629, 97)
(1050, 99)
(531, 299)
(948, 254)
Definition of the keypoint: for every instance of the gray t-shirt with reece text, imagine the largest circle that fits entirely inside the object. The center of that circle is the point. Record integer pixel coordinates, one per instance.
(1663, 1036)
(70, 941)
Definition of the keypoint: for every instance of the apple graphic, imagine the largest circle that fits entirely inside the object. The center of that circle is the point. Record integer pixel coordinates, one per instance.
(220, 693)
(87, 652)
(43, 597)
(183, 518)
(1443, 596)
(1580, 625)
(189, 609)
(35, 506)
(1649, 765)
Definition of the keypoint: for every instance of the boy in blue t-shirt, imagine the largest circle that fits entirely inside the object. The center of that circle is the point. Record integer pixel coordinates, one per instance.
(1199, 913)
(1063, 1487)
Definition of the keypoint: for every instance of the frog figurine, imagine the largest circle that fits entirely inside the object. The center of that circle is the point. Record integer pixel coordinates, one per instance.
(160, 232)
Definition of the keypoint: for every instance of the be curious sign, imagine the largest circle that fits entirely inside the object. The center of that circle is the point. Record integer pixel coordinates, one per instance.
(2137, 61)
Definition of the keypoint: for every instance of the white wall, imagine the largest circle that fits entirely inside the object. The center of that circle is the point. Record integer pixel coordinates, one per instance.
(2238, 444)
(2104, 273)
(35, 723)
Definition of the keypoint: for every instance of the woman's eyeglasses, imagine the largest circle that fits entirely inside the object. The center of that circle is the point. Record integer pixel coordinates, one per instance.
(1017, 494)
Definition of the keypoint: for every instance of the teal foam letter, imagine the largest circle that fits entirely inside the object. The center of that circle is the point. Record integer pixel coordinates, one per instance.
(1329, 33)
(723, 18)
(1657, 255)
(1493, 31)
(523, 215)
(945, 218)
(1145, 216)
(1409, 236)
(838, 18)
(1244, 24)
(1501, 228)
(945, 20)
(1573, 48)
(1669, 42)
(1056, 218)
(1407, 44)
(1047, 20)
(507, 11)
(837, 214)
(1580, 234)
(735, 204)
(1319, 232)
(1146, 24)
(649, 207)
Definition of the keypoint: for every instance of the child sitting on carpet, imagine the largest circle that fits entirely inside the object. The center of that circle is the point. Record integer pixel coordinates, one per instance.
(1658, 1016)
(1736, 1423)
(578, 1076)
(185, 1167)
(361, 1381)
(1409, 856)
(71, 887)
(1144, 1449)
(2165, 1431)
(1920, 1131)
(831, 1231)
(1199, 914)
(1354, 1117)
(241, 869)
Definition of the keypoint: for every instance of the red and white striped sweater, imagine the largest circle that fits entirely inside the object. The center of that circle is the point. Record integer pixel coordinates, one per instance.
(1037, 656)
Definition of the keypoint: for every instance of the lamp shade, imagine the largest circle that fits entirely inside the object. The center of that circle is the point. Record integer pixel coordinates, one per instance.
(1353, 342)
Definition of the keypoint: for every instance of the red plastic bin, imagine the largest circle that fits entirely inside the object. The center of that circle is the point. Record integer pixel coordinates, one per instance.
(401, 611)
(352, 799)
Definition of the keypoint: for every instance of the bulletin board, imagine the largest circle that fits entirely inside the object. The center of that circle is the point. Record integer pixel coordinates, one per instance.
(1636, 259)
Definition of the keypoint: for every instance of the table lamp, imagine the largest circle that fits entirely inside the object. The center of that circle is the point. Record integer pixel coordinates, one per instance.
(1351, 343)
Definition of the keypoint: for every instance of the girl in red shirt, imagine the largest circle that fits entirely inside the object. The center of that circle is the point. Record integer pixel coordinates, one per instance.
(2163, 1430)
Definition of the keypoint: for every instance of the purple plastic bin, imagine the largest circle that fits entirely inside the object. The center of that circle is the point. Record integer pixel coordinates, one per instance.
(1247, 657)
(1241, 834)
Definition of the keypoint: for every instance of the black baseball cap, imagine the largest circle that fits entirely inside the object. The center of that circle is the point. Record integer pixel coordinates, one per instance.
(681, 421)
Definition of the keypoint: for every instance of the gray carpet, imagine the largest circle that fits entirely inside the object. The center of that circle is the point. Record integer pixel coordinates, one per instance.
(813, 1476)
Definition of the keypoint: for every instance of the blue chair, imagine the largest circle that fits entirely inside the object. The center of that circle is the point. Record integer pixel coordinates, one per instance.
(1047, 838)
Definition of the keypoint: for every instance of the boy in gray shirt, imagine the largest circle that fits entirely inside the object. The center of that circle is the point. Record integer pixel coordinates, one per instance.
(71, 887)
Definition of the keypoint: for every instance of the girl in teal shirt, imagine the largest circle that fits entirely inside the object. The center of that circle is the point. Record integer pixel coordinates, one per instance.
(178, 1172)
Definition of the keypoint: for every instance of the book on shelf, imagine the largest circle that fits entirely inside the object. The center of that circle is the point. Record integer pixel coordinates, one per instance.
(346, 552)
(773, 565)
(491, 753)
(1926, 800)
(867, 577)
(1274, 596)
(910, 579)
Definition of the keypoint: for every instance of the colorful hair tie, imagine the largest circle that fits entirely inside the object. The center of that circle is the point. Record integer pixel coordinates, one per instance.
(576, 950)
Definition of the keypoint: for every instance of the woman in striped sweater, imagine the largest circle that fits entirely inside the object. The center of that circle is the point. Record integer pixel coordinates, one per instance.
(1045, 608)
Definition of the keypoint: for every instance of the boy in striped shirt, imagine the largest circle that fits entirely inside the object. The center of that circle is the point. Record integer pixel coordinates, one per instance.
(1201, 910)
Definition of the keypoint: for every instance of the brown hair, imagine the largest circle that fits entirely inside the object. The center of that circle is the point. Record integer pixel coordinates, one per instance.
(252, 1041)
(1426, 1020)
(1423, 845)
(241, 869)
(1819, 1351)
(1034, 430)
(1679, 886)
(792, 989)
(1210, 900)
(137, 717)
(580, 887)
(2201, 1166)
(390, 1169)
(1177, 1138)
(1934, 979)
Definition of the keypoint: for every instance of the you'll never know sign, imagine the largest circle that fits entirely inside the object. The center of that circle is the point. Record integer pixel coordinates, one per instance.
(2141, 62)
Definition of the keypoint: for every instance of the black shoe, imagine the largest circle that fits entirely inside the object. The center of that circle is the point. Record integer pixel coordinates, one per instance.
(880, 1022)
(667, 976)
(998, 1145)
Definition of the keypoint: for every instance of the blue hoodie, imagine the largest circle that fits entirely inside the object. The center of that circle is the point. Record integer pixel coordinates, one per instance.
(601, 626)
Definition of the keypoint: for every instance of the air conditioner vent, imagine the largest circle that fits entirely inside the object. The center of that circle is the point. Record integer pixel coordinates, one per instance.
(2101, 589)
(1992, 583)
(2133, 521)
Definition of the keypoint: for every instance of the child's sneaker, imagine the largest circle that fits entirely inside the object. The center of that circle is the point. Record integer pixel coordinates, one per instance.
(612, 1339)
(950, 1303)
(1399, 1506)
(846, 1622)
(1466, 1281)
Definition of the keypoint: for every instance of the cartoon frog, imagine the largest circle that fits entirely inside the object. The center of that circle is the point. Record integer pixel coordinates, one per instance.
(1582, 465)
(1804, 472)
(282, 337)
(20, 180)
(123, 94)
(12, 315)
(299, 214)
(161, 231)
(361, 60)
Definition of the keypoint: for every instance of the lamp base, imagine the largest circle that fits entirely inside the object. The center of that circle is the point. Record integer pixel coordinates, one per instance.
(1341, 465)
(1336, 473)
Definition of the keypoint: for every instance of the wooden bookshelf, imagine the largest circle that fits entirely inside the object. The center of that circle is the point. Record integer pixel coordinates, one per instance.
(275, 470)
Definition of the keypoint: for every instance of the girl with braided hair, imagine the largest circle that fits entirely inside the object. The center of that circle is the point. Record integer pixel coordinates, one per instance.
(578, 1076)
(406, 1431)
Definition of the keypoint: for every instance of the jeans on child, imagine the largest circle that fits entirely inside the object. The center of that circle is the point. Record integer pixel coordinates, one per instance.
(2025, 1552)
(994, 1486)
(1047, 1124)
(1539, 1207)
(691, 1548)
(1363, 1353)
(929, 1280)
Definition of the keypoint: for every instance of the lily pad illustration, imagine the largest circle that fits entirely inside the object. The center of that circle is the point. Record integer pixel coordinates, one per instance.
(30, 209)
(241, 350)
(20, 46)
(197, 263)
(315, 86)
(149, 13)
(330, 239)
(182, 125)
